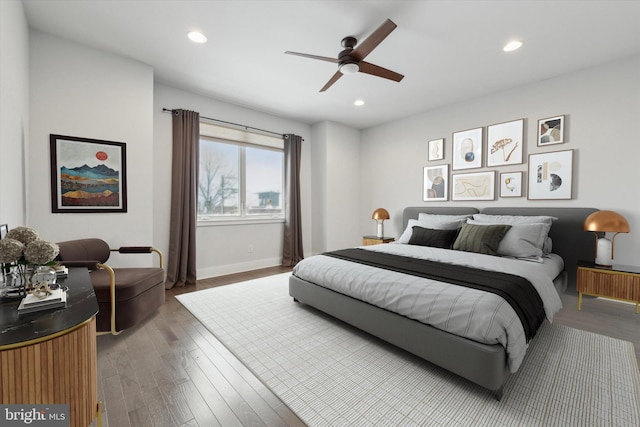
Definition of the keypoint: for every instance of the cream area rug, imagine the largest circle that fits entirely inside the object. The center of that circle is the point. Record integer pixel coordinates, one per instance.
(331, 374)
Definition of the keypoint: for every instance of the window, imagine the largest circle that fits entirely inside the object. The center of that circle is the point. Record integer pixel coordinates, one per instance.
(241, 175)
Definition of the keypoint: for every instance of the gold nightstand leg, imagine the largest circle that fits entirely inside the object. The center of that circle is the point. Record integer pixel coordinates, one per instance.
(579, 301)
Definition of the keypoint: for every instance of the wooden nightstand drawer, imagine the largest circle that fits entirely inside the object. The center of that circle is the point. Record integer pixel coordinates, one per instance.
(373, 240)
(613, 282)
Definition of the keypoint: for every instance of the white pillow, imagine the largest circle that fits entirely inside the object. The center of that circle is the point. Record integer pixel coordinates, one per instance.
(517, 219)
(433, 224)
(521, 241)
(442, 218)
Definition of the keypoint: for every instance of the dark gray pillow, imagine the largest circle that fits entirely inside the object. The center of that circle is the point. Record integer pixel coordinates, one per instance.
(483, 239)
(434, 238)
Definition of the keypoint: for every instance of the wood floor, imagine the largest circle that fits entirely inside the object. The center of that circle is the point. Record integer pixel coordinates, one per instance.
(171, 371)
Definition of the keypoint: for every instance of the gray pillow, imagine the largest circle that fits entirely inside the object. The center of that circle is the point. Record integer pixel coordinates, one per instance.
(516, 219)
(522, 240)
(483, 239)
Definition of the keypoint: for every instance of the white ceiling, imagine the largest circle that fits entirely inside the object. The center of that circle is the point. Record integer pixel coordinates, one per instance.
(448, 50)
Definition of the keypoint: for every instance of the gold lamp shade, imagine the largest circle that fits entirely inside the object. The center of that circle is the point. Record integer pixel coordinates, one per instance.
(380, 215)
(603, 222)
(606, 221)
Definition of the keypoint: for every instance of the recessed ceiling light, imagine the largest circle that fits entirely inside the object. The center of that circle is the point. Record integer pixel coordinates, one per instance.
(512, 45)
(196, 37)
(358, 102)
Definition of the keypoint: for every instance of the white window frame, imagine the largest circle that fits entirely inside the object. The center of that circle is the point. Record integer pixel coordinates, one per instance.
(243, 138)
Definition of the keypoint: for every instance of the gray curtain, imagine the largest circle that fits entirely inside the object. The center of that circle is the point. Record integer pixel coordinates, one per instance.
(292, 251)
(181, 260)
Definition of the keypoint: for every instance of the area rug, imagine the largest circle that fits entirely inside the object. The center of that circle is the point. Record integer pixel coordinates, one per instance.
(331, 374)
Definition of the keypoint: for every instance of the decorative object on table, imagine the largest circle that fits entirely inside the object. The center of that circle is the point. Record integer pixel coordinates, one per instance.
(30, 259)
(505, 142)
(436, 149)
(601, 223)
(551, 131)
(87, 175)
(473, 186)
(380, 215)
(436, 183)
(467, 149)
(550, 175)
(511, 184)
(43, 298)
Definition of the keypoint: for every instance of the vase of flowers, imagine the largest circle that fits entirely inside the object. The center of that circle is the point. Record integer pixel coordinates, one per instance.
(27, 256)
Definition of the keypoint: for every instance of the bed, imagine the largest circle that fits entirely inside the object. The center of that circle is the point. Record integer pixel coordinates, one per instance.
(488, 365)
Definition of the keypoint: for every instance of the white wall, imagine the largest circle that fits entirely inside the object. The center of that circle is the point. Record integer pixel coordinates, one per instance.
(602, 108)
(336, 185)
(14, 112)
(84, 92)
(223, 249)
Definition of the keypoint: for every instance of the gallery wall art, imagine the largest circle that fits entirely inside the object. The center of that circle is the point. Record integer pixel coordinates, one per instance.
(87, 175)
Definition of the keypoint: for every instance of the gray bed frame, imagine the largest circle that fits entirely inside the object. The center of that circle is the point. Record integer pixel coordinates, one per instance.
(482, 364)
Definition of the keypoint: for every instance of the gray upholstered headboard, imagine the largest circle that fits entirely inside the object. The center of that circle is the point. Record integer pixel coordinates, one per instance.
(570, 241)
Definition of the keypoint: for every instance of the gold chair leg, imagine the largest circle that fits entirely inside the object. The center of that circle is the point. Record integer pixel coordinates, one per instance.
(112, 297)
(99, 413)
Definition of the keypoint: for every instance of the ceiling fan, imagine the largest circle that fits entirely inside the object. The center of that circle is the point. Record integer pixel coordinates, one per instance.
(351, 59)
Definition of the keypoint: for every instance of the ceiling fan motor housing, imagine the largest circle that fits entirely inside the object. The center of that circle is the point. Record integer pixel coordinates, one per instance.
(345, 57)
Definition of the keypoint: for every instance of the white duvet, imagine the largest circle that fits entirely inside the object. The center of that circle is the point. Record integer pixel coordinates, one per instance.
(474, 314)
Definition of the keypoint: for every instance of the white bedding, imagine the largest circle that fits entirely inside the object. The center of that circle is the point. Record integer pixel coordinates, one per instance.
(471, 313)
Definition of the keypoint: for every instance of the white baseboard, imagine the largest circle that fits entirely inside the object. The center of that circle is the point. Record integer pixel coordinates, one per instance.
(205, 273)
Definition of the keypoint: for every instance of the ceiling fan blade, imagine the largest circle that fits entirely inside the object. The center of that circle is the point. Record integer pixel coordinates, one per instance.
(367, 45)
(375, 70)
(331, 81)
(306, 55)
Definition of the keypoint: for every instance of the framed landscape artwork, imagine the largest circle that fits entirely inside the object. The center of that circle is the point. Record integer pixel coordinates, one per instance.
(505, 143)
(436, 149)
(551, 131)
(87, 175)
(467, 149)
(550, 175)
(436, 180)
(473, 186)
(511, 184)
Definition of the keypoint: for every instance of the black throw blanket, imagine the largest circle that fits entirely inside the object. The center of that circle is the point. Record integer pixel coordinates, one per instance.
(516, 290)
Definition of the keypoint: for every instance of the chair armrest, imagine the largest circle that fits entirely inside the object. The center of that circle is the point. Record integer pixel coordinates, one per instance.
(133, 249)
(91, 265)
(139, 250)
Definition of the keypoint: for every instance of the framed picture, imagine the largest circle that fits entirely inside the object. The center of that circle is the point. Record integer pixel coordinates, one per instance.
(436, 180)
(467, 149)
(87, 175)
(551, 131)
(505, 142)
(436, 149)
(473, 186)
(550, 175)
(511, 184)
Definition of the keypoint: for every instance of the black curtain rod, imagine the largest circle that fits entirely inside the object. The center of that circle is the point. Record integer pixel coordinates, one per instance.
(167, 110)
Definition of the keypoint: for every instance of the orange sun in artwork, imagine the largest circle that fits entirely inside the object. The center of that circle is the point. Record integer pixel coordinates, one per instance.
(101, 155)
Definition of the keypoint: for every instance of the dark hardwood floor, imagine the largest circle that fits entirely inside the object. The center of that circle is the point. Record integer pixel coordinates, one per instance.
(171, 371)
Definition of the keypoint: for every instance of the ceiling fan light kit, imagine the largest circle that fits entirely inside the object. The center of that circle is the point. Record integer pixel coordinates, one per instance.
(349, 68)
(351, 59)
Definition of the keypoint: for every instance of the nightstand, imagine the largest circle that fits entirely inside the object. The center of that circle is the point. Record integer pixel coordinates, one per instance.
(375, 240)
(620, 282)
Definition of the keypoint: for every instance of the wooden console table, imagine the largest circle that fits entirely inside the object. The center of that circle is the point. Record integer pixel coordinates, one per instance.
(50, 357)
